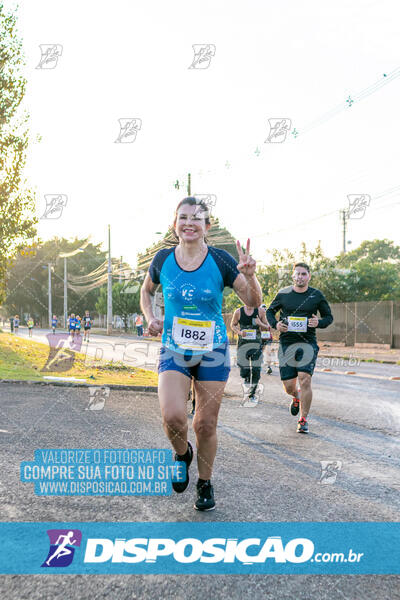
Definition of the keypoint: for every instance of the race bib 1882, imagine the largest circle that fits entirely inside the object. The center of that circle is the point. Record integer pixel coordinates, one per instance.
(193, 335)
(297, 324)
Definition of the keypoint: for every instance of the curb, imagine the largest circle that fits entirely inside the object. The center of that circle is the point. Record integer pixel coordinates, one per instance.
(112, 386)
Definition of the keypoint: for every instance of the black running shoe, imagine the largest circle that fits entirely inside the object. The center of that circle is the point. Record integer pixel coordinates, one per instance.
(205, 497)
(295, 406)
(302, 426)
(180, 486)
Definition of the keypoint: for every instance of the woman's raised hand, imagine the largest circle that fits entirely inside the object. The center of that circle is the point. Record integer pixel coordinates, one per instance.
(247, 264)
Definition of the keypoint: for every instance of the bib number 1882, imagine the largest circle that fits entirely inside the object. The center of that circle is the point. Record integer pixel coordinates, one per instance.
(189, 334)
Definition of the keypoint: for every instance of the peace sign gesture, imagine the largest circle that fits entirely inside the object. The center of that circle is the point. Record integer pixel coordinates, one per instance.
(247, 264)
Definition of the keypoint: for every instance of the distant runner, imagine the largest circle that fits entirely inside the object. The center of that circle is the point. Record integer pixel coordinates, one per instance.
(87, 325)
(139, 325)
(71, 325)
(247, 323)
(30, 323)
(54, 322)
(78, 324)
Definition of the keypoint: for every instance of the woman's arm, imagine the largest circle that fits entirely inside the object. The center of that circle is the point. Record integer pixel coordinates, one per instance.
(148, 289)
(248, 289)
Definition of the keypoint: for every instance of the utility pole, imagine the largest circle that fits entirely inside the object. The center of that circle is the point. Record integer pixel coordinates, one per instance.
(65, 293)
(343, 214)
(109, 287)
(189, 187)
(50, 308)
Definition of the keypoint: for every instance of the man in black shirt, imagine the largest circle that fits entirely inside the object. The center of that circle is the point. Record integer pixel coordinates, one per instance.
(298, 348)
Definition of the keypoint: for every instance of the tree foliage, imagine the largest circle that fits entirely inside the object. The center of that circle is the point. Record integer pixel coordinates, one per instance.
(17, 201)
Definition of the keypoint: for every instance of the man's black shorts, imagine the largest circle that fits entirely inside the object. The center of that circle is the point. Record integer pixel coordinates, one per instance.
(297, 357)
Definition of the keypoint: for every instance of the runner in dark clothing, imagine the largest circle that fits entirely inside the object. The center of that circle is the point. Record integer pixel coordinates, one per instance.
(248, 322)
(298, 348)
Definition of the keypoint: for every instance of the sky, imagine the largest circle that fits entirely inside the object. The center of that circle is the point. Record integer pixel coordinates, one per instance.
(294, 60)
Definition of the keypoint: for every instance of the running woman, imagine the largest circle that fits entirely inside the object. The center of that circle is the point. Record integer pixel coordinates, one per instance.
(298, 348)
(194, 339)
(54, 322)
(247, 323)
(87, 325)
(71, 325)
(30, 323)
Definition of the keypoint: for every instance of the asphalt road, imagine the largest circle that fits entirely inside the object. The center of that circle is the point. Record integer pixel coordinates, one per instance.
(264, 471)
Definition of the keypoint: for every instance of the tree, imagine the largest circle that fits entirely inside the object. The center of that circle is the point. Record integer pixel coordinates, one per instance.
(17, 202)
(125, 299)
(373, 250)
(27, 278)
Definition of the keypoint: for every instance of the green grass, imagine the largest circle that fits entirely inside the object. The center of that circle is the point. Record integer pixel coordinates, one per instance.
(24, 360)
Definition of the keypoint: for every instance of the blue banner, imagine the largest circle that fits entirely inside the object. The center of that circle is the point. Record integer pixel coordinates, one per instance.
(203, 548)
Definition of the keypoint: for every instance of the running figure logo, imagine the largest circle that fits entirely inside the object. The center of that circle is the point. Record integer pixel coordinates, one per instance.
(209, 199)
(98, 396)
(357, 205)
(61, 352)
(55, 203)
(131, 286)
(329, 471)
(50, 54)
(128, 130)
(203, 54)
(250, 402)
(62, 547)
(278, 129)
